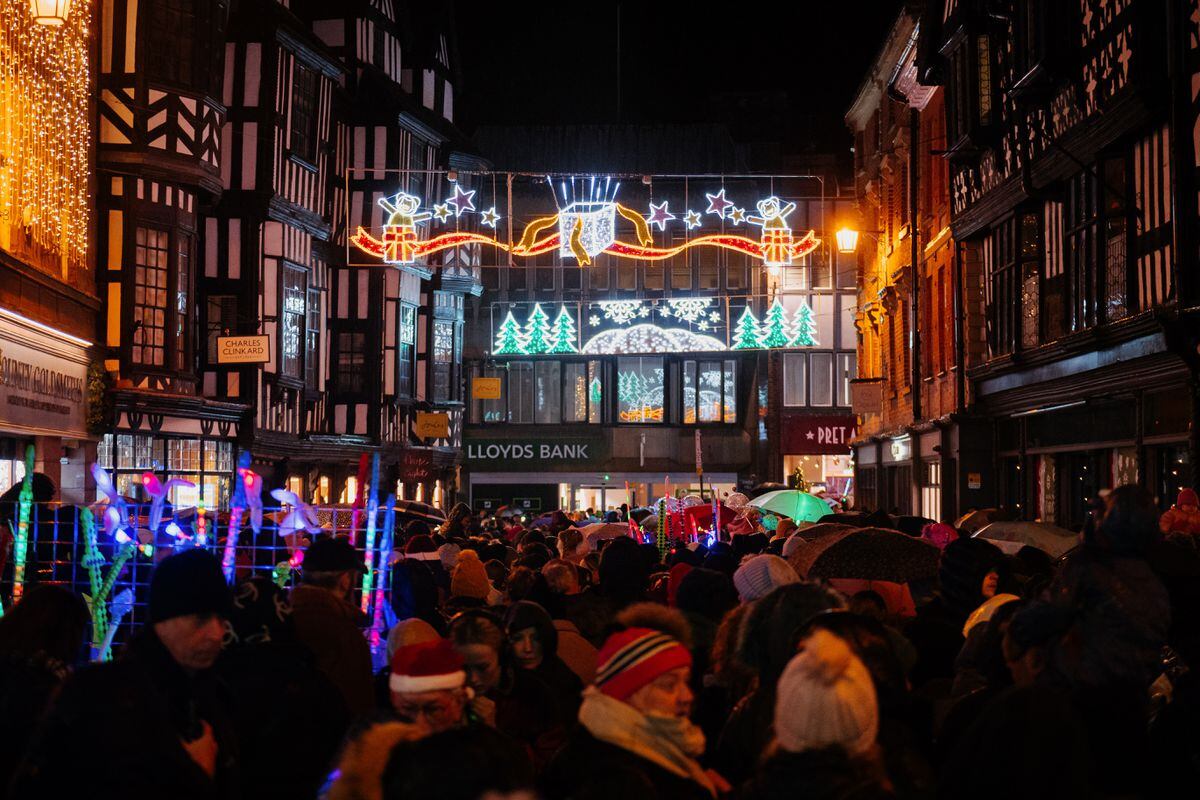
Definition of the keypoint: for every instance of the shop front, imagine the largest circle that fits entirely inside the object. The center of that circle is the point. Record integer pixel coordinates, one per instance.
(816, 450)
(43, 402)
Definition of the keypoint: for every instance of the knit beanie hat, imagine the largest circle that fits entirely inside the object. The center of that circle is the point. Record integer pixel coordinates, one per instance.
(188, 583)
(634, 657)
(939, 533)
(409, 631)
(794, 543)
(825, 697)
(760, 575)
(426, 667)
(448, 555)
(470, 578)
(422, 543)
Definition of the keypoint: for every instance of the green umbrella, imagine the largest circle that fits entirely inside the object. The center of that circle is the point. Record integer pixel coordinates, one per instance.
(800, 506)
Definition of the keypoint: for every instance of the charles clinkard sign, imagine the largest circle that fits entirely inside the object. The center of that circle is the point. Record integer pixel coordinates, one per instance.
(520, 454)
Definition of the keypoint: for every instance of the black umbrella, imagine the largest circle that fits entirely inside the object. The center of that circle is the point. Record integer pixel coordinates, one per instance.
(870, 554)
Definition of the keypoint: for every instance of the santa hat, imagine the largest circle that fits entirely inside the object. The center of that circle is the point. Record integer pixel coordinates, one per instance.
(632, 658)
(426, 667)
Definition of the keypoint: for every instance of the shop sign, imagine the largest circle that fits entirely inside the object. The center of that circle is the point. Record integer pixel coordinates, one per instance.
(899, 449)
(43, 381)
(433, 425)
(243, 349)
(416, 466)
(503, 454)
(818, 435)
(699, 456)
(974, 480)
(485, 388)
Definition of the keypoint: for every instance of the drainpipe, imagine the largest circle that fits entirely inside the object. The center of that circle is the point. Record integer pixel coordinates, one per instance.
(914, 141)
(960, 344)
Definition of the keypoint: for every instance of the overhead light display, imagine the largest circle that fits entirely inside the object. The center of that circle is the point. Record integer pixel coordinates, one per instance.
(588, 221)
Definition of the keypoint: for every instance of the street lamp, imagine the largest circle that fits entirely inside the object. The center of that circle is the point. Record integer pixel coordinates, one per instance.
(50, 12)
(847, 240)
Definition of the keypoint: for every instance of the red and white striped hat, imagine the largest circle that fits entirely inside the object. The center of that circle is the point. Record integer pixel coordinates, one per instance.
(632, 658)
(426, 667)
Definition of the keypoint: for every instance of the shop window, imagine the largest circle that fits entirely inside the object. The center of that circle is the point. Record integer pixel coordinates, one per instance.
(312, 341)
(517, 278)
(488, 410)
(547, 383)
(1012, 263)
(292, 321)
(595, 392)
(795, 387)
(221, 319)
(681, 268)
(735, 271)
(847, 371)
(1080, 228)
(150, 307)
(406, 350)
(1116, 226)
(821, 379)
(640, 384)
(351, 361)
(931, 489)
(708, 267)
(520, 391)
(653, 276)
(626, 276)
(709, 393)
(443, 360)
(183, 297)
(303, 142)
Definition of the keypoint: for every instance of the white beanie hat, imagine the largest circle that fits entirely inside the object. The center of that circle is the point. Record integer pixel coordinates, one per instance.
(825, 697)
(760, 575)
(793, 544)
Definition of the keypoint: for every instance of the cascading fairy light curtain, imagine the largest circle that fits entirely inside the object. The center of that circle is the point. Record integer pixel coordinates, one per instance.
(44, 137)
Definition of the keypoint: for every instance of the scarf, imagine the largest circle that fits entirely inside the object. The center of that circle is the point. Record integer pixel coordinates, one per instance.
(670, 742)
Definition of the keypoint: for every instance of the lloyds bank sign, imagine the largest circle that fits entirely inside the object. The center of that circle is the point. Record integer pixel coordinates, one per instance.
(507, 454)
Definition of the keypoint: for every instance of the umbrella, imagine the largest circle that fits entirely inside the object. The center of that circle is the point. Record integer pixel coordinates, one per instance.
(912, 525)
(544, 519)
(975, 520)
(640, 514)
(800, 506)
(700, 517)
(763, 488)
(1012, 536)
(736, 500)
(411, 509)
(869, 554)
(819, 530)
(605, 530)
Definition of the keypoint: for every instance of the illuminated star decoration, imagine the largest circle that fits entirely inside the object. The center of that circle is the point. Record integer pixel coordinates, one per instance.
(490, 217)
(462, 201)
(691, 219)
(717, 204)
(738, 215)
(441, 211)
(659, 215)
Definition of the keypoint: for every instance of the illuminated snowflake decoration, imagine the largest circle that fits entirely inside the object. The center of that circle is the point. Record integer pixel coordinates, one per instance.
(621, 312)
(593, 320)
(714, 317)
(647, 338)
(690, 309)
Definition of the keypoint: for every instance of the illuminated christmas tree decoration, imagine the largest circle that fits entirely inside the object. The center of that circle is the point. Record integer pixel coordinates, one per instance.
(775, 325)
(746, 334)
(489, 217)
(537, 331)
(622, 312)
(717, 204)
(462, 201)
(776, 235)
(804, 327)
(442, 212)
(691, 219)
(510, 340)
(659, 215)
(562, 335)
(690, 309)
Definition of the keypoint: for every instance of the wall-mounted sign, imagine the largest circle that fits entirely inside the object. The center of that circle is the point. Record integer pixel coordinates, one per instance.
(899, 449)
(432, 425)
(528, 454)
(485, 388)
(974, 480)
(699, 456)
(416, 466)
(43, 380)
(818, 434)
(243, 349)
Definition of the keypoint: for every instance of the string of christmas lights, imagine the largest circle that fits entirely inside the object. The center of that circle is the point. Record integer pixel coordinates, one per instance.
(44, 137)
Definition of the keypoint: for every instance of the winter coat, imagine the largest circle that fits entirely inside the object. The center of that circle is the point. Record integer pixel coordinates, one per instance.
(116, 732)
(586, 763)
(285, 711)
(1180, 520)
(576, 652)
(814, 775)
(747, 733)
(528, 711)
(27, 686)
(936, 633)
(328, 626)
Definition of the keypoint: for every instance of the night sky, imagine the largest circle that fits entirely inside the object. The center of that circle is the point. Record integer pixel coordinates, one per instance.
(526, 63)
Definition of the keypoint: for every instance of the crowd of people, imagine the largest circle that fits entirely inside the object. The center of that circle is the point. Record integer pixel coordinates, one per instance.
(541, 663)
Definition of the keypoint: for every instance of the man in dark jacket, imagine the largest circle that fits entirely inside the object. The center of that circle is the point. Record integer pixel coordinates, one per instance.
(155, 722)
(327, 622)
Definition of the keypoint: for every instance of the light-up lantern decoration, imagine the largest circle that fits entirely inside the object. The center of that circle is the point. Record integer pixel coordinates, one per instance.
(847, 240)
(50, 12)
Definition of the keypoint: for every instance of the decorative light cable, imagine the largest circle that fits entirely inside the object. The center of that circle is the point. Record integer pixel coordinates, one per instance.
(237, 505)
(44, 137)
(372, 520)
(385, 564)
(21, 535)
